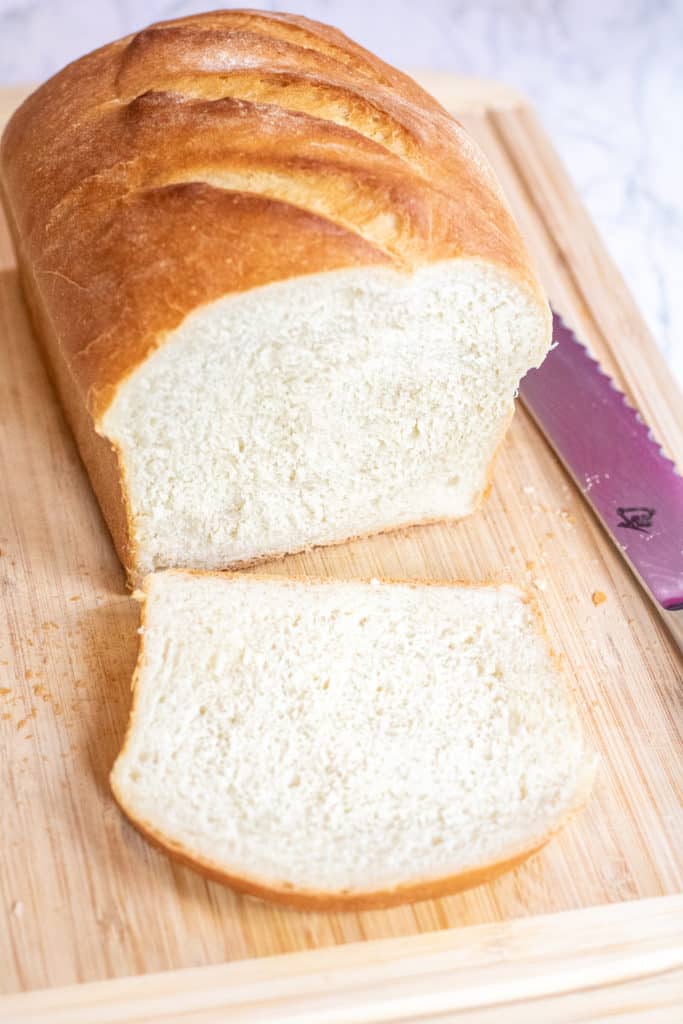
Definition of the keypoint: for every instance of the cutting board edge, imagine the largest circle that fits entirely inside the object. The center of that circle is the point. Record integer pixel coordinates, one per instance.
(611, 952)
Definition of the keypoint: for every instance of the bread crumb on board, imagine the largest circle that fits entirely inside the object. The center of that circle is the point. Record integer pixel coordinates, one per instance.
(597, 597)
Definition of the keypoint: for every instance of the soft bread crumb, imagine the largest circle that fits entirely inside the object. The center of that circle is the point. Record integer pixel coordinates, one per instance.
(341, 736)
(321, 408)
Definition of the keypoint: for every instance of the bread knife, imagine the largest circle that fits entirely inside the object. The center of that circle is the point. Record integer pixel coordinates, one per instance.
(622, 472)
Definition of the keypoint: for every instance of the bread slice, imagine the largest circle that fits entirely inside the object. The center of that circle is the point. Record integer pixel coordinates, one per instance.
(280, 290)
(347, 744)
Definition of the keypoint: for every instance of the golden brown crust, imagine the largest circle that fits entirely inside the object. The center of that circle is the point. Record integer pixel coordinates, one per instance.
(100, 457)
(214, 154)
(221, 152)
(307, 899)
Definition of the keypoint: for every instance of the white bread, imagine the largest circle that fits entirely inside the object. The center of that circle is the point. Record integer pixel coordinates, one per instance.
(281, 293)
(347, 744)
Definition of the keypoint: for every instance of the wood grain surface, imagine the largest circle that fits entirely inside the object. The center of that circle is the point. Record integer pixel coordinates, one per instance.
(620, 963)
(82, 896)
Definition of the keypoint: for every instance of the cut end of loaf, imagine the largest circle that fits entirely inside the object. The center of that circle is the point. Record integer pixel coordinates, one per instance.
(277, 277)
(340, 744)
(319, 409)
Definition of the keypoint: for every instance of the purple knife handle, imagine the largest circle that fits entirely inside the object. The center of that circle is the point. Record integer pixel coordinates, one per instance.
(620, 469)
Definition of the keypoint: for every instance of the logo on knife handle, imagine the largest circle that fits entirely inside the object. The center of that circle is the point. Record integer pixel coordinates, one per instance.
(636, 518)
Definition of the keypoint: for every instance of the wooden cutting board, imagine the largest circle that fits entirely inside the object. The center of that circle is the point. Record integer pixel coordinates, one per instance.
(84, 898)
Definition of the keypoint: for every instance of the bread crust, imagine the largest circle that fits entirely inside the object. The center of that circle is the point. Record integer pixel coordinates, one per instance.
(349, 900)
(343, 900)
(112, 170)
(215, 154)
(310, 899)
(100, 457)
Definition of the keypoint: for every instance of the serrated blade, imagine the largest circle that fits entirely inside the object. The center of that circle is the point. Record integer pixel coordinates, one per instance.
(620, 469)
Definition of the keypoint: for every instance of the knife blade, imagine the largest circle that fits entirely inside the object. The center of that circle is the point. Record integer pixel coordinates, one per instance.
(616, 463)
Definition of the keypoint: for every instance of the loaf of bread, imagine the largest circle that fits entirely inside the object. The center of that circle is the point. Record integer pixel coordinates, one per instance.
(280, 291)
(346, 744)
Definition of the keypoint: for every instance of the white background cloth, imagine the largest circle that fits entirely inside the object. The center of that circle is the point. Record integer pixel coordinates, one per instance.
(606, 77)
